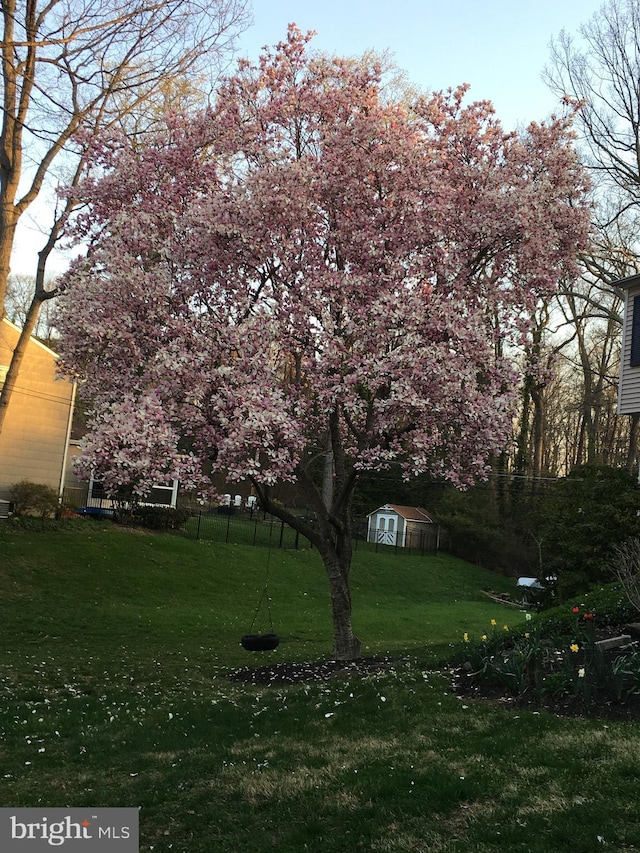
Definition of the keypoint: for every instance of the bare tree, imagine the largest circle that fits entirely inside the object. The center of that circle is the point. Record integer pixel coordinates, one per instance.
(625, 565)
(594, 318)
(598, 72)
(72, 68)
(20, 289)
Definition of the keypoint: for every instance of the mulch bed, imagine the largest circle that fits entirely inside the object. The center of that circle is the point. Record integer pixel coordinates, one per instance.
(600, 707)
(309, 671)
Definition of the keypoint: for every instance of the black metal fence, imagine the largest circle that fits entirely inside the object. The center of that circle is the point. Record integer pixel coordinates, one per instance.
(426, 539)
(74, 498)
(250, 526)
(243, 528)
(259, 528)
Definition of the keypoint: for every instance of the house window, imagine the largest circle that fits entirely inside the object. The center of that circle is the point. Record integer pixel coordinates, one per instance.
(97, 490)
(635, 333)
(3, 372)
(160, 495)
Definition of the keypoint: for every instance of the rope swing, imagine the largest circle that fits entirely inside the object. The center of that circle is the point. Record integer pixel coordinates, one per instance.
(262, 642)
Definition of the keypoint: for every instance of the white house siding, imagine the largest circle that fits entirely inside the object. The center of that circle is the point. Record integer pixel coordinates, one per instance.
(629, 384)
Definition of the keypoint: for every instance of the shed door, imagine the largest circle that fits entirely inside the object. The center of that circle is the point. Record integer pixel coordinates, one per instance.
(387, 532)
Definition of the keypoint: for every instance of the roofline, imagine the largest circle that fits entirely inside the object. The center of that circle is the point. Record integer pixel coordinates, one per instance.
(33, 339)
(426, 515)
(629, 281)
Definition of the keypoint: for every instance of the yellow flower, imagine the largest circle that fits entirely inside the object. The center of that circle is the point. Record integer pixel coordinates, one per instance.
(581, 672)
(574, 647)
(528, 617)
(527, 635)
(483, 638)
(465, 637)
(505, 627)
(493, 622)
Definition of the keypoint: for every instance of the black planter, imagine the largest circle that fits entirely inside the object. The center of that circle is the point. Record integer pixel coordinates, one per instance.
(260, 642)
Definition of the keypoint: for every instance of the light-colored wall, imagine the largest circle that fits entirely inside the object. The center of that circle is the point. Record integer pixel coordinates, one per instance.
(629, 385)
(379, 520)
(34, 436)
(375, 523)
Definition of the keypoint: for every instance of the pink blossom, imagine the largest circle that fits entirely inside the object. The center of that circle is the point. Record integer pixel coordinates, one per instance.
(311, 258)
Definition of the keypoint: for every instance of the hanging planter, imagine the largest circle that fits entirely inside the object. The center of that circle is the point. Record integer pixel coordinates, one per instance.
(260, 642)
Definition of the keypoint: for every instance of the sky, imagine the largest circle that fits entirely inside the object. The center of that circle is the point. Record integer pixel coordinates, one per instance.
(498, 47)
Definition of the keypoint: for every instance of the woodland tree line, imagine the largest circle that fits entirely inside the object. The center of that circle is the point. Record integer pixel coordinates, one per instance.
(110, 133)
(524, 517)
(568, 410)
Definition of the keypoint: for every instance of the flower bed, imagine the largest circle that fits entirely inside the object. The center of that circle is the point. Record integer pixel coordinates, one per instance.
(569, 663)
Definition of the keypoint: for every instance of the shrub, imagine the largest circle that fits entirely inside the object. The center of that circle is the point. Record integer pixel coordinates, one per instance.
(609, 602)
(580, 522)
(153, 517)
(33, 499)
(556, 652)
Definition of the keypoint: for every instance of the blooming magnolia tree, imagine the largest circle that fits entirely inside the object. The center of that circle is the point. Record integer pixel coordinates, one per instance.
(130, 446)
(312, 274)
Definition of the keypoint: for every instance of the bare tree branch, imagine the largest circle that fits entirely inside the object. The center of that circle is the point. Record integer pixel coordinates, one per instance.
(84, 65)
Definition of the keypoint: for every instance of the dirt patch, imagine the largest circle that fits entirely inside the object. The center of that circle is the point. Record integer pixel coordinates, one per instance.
(137, 531)
(599, 706)
(310, 671)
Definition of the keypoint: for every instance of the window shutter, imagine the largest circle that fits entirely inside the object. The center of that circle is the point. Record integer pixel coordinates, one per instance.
(635, 333)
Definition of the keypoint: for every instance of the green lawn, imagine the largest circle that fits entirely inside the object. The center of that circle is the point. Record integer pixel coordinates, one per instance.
(103, 588)
(115, 649)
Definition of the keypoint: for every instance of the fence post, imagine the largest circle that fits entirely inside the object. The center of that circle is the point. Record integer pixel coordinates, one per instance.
(199, 520)
(281, 532)
(226, 539)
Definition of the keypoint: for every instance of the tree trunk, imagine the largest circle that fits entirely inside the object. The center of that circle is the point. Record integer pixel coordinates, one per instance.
(16, 359)
(7, 239)
(327, 477)
(337, 562)
(537, 433)
(41, 295)
(332, 538)
(346, 646)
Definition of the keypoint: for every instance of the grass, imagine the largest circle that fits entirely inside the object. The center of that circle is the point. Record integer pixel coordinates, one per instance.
(118, 587)
(115, 649)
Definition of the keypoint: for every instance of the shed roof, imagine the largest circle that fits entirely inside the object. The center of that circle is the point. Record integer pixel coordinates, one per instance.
(409, 513)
